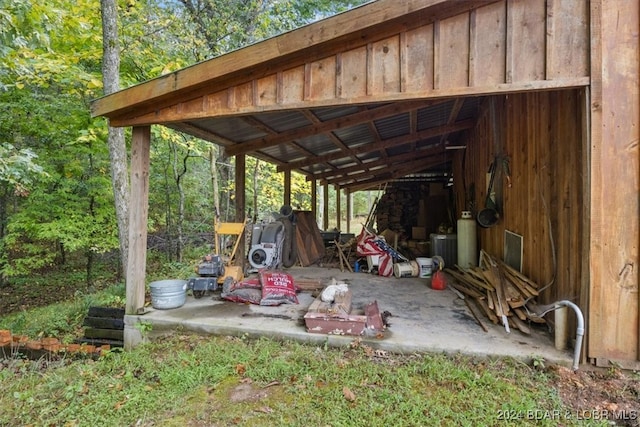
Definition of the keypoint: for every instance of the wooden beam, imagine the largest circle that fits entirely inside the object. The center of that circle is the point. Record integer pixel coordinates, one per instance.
(376, 146)
(170, 115)
(614, 306)
(383, 162)
(392, 168)
(287, 187)
(199, 132)
(325, 206)
(314, 198)
(240, 189)
(324, 127)
(393, 172)
(138, 216)
(349, 209)
(338, 213)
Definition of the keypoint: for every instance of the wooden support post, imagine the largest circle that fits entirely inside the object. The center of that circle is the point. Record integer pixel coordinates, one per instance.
(138, 214)
(287, 187)
(337, 207)
(240, 205)
(614, 300)
(349, 209)
(325, 206)
(314, 199)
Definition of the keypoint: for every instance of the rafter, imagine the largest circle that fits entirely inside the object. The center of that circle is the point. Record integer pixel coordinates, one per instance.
(435, 149)
(365, 185)
(392, 171)
(328, 126)
(366, 148)
(207, 135)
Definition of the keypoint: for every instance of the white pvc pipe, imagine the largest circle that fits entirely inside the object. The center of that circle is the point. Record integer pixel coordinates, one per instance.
(579, 330)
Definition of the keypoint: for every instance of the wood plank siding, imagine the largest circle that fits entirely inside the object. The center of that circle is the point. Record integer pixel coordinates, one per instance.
(489, 47)
(541, 138)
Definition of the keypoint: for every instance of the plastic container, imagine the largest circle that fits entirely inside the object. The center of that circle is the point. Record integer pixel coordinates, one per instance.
(467, 241)
(415, 269)
(168, 294)
(438, 282)
(426, 267)
(403, 269)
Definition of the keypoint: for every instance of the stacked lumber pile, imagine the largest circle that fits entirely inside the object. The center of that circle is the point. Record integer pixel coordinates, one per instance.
(502, 293)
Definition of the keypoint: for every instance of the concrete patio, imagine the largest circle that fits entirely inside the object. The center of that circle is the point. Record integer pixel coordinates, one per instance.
(423, 320)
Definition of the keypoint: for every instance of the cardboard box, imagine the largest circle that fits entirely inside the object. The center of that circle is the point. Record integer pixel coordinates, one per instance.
(418, 233)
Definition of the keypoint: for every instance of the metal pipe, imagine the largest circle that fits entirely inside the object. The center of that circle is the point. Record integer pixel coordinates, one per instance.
(579, 329)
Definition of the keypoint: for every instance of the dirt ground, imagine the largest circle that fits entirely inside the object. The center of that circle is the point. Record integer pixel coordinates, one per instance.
(590, 393)
(596, 393)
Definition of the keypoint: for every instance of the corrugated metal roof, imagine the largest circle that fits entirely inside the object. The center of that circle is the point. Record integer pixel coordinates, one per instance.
(348, 145)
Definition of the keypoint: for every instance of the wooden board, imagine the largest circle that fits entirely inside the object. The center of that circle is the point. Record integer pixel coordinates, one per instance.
(309, 244)
(321, 323)
(341, 304)
(614, 297)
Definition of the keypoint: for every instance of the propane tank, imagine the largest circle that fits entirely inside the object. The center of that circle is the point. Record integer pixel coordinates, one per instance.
(467, 241)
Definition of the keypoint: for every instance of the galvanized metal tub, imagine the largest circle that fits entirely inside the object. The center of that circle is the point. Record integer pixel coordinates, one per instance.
(167, 294)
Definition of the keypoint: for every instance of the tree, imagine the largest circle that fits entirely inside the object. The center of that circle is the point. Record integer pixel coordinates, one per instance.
(115, 138)
(49, 71)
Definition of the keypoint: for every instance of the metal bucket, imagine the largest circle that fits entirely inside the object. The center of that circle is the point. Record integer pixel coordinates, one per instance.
(167, 294)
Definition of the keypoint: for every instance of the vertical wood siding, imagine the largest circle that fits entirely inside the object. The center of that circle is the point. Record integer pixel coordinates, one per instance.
(542, 136)
(509, 45)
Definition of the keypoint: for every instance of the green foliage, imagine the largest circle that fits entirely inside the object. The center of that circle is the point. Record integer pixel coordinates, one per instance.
(55, 193)
(17, 167)
(64, 319)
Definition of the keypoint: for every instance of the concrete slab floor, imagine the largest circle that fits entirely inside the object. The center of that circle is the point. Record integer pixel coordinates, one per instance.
(423, 320)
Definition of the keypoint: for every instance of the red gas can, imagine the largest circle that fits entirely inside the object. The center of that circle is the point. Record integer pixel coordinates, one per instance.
(438, 281)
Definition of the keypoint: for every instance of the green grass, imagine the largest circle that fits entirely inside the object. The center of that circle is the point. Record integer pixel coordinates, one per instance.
(190, 380)
(62, 320)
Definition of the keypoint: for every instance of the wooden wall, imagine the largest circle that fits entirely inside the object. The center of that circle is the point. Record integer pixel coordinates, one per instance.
(542, 136)
(464, 48)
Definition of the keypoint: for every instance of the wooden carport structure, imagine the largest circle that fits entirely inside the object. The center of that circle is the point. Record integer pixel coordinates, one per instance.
(380, 91)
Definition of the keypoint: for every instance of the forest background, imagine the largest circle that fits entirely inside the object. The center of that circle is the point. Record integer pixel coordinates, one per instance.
(56, 195)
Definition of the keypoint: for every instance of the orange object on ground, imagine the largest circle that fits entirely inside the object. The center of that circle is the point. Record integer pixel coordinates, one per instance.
(438, 281)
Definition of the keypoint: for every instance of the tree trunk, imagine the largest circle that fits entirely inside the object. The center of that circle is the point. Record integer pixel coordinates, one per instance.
(115, 139)
(178, 174)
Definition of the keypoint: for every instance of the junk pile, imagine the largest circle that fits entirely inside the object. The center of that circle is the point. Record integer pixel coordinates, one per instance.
(381, 256)
(502, 293)
(331, 313)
